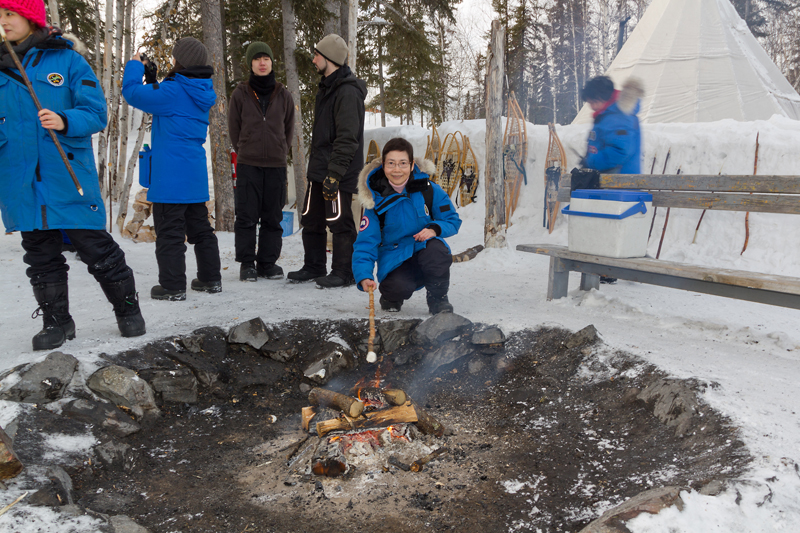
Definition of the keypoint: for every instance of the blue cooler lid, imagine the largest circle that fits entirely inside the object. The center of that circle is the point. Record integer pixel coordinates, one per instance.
(613, 195)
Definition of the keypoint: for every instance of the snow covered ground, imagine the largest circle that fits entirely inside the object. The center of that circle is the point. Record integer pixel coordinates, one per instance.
(751, 351)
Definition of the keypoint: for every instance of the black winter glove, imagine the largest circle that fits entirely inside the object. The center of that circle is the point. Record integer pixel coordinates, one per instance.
(330, 189)
(150, 70)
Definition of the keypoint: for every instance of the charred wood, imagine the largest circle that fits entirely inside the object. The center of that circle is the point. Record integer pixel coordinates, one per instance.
(394, 461)
(418, 465)
(428, 424)
(387, 417)
(326, 398)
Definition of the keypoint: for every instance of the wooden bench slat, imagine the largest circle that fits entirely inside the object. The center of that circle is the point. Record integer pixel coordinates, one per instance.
(762, 203)
(696, 183)
(769, 282)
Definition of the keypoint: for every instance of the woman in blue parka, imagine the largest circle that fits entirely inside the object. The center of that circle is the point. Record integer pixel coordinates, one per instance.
(178, 170)
(406, 219)
(37, 195)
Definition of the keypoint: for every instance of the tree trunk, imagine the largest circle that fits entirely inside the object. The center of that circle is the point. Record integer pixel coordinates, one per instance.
(102, 148)
(124, 130)
(97, 71)
(349, 23)
(52, 7)
(333, 23)
(293, 84)
(132, 162)
(236, 44)
(218, 118)
(494, 231)
(114, 115)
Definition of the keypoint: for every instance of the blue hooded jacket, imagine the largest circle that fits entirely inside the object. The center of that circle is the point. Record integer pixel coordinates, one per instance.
(36, 190)
(179, 105)
(615, 142)
(404, 216)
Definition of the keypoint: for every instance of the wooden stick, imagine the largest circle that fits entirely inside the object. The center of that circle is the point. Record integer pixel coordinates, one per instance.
(426, 423)
(664, 230)
(12, 504)
(294, 448)
(327, 398)
(394, 461)
(387, 417)
(747, 215)
(308, 414)
(655, 209)
(52, 133)
(371, 355)
(417, 465)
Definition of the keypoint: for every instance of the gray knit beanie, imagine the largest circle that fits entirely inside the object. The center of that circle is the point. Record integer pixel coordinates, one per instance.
(333, 48)
(256, 48)
(190, 52)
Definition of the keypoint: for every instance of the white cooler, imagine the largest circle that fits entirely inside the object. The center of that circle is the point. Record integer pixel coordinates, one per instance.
(609, 222)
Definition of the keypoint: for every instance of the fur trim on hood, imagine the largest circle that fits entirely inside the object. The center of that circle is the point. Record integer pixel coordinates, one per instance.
(365, 195)
(77, 44)
(632, 91)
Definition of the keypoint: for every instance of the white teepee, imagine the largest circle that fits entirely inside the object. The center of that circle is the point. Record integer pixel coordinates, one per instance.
(699, 63)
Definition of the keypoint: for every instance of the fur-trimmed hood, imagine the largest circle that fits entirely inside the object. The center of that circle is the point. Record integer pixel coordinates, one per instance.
(423, 168)
(632, 91)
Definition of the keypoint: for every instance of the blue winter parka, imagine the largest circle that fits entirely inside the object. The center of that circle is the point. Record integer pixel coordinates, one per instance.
(179, 105)
(615, 142)
(405, 214)
(36, 190)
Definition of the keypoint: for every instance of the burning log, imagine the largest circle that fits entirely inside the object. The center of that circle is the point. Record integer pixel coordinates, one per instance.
(395, 415)
(417, 465)
(394, 461)
(326, 398)
(376, 398)
(428, 424)
(329, 461)
(395, 396)
(308, 414)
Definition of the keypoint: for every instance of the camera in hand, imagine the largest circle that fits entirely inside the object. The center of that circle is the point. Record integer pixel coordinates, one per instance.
(150, 69)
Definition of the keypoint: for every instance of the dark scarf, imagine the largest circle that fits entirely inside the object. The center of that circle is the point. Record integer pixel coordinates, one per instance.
(38, 36)
(263, 86)
(199, 72)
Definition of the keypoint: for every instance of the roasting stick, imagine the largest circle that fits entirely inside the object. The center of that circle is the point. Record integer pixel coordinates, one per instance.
(15, 502)
(39, 108)
(371, 355)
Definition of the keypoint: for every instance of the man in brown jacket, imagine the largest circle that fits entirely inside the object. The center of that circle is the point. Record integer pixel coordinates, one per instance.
(261, 125)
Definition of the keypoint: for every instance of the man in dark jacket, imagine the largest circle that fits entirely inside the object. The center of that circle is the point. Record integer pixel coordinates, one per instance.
(261, 125)
(336, 158)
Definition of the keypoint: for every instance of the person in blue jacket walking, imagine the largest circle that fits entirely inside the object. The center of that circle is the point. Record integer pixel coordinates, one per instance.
(615, 142)
(179, 173)
(406, 219)
(37, 195)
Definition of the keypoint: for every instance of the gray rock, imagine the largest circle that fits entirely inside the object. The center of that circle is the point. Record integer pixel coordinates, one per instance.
(253, 332)
(206, 372)
(475, 365)
(587, 335)
(440, 328)
(395, 333)
(714, 487)
(57, 490)
(305, 387)
(42, 382)
(104, 415)
(331, 358)
(107, 502)
(124, 387)
(116, 456)
(673, 403)
(491, 335)
(650, 501)
(445, 355)
(280, 350)
(174, 386)
(123, 524)
(193, 343)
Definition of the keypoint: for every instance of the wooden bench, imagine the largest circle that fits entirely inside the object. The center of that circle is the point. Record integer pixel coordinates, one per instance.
(766, 194)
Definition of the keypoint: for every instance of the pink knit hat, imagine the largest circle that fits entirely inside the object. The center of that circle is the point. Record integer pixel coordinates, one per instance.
(33, 10)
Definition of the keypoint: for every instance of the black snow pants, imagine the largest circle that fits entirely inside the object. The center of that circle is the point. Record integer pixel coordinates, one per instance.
(430, 267)
(260, 194)
(343, 228)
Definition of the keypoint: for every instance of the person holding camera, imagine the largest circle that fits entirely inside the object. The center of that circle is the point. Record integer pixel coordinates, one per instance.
(37, 194)
(261, 125)
(179, 174)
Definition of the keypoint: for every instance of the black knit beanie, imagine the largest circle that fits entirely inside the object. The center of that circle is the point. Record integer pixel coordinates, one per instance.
(190, 52)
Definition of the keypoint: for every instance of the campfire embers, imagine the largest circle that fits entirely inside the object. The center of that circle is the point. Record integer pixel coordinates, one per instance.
(377, 419)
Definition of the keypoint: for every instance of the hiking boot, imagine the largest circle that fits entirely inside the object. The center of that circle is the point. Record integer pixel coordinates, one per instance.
(607, 280)
(125, 299)
(247, 272)
(302, 276)
(334, 281)
(206, 286)
(270, 272)
(390, 306)
(160, 293)
(439, 305)
(53, 300)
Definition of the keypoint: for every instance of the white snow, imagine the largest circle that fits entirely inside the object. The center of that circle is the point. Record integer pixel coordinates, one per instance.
(751, 352)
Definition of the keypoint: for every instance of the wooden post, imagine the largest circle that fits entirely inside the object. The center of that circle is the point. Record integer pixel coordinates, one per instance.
(494, 231)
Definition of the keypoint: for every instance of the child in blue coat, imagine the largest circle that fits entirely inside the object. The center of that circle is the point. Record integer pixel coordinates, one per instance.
(405, 222)
(179, 173)
(37, 195)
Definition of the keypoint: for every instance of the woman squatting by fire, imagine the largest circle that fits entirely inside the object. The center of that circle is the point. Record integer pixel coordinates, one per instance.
(406, 219)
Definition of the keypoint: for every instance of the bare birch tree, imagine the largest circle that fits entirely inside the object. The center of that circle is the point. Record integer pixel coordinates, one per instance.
(108, 44)
(124, 131)
(293, 84)
(144, 120)
(218, 118)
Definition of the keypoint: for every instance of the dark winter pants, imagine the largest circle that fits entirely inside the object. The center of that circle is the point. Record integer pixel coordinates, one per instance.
(314, 221)
(430, 267)
(260, 193)
(174, 224)
(97, 249)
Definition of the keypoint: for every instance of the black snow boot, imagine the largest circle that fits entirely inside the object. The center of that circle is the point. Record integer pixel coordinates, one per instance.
(390, 306)
(53, 300)
(125, 299)
(439, 304)
(248, 272)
